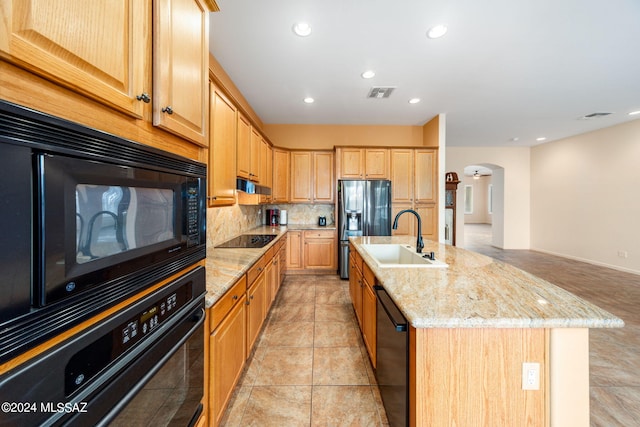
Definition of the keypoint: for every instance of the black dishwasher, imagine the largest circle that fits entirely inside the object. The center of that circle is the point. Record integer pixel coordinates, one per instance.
(392, 370)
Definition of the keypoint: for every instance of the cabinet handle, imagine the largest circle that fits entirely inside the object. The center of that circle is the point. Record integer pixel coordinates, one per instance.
(144, 97)
(259, 268)
(235, 297)
(212, 198)
(168, 109)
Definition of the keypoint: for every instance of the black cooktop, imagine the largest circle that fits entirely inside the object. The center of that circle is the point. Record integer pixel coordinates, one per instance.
(248, 241)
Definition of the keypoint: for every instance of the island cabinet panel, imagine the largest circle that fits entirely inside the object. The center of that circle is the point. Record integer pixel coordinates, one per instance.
(98, 49)
(473, 377)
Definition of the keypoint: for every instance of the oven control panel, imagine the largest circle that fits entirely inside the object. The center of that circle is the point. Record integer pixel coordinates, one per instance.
(89, 361)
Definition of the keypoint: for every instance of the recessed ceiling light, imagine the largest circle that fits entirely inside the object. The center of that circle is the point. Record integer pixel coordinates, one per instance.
(437, 31)
(634, 113)
(514, 139)
(542, 138)
(368, 74)
(309, 100)
(414, 100)
(302, 29)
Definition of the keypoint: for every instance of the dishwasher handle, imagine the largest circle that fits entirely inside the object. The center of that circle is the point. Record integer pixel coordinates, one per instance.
(400, 324)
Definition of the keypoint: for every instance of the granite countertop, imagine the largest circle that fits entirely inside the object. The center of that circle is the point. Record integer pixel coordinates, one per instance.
(225, 266)
(476, 291)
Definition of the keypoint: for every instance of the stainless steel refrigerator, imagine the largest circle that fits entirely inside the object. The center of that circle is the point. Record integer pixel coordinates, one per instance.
(364, 209)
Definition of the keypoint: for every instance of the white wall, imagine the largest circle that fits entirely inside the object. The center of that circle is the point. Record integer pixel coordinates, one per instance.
(511, 191)
(585, 200)
(480, 186)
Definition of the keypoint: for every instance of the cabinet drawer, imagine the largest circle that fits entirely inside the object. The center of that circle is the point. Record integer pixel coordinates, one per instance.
(255, 271)
(224, 305)
(368, 275)
(319, 234)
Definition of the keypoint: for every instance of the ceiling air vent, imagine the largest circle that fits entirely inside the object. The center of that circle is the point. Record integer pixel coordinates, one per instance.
(380, 92)
(594, 116)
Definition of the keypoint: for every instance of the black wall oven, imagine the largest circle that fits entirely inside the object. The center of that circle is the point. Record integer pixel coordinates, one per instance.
(143, 366)
(87, 219)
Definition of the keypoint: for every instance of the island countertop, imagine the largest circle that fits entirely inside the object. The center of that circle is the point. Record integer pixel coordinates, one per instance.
(476, 291)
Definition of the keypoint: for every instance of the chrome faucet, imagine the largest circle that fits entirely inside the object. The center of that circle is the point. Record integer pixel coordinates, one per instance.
(419, 242)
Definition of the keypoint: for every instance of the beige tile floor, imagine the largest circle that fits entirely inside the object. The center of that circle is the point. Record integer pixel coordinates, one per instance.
(311, 369)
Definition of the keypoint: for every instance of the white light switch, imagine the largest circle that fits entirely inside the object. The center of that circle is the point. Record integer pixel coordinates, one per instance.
(530, 376)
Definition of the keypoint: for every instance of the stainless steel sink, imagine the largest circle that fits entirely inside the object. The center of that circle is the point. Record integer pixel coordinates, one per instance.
(400, 256)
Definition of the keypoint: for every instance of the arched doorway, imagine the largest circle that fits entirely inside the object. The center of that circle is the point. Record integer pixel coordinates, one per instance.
(482, 209)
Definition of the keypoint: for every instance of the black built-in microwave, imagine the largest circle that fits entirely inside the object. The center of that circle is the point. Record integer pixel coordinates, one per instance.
(86, 220)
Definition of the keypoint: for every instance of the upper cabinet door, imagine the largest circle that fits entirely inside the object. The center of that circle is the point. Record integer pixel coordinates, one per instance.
(181, 67)
(97, 48)
(426, 176)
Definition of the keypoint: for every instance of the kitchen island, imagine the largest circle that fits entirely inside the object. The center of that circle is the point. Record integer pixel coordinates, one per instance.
(474, 324)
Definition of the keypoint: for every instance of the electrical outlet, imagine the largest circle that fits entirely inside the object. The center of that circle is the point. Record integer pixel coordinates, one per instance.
(530, 376)
(623, 254)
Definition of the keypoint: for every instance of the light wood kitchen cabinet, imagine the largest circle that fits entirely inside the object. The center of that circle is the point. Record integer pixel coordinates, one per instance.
(426, 174)
(355, 286)
(369, 308)
(227, 347)
(99, 49)
(228, 353)
(256, 308)
(266, 162)
(248, 150)
(362, 163)
(294, 250)
(280, 184)
(181, 67)
(312, 177)
(243, 147)
(301, 177)
(282, 260)
(254, 157)
(414, 181)
(323, 180)
(402, 175)
(320, 249)
(222, 150)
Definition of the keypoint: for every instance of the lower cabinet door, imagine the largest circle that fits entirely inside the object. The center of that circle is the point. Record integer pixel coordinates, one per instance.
(369, 321)
(256, 309)
(228, 355)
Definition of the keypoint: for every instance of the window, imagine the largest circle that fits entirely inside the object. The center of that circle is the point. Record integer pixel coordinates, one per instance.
(490, 199)
(468, 199)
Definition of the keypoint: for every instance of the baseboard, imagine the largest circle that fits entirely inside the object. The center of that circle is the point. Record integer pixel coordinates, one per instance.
(588, 261)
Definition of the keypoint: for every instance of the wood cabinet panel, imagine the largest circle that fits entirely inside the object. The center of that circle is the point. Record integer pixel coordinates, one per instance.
(280, 188)
(256, 309)
(301, 177)
(222, 150)
(458, 387)
(254, 157)
(323, 179)
(319, 253)
(376, 163)
(99, 49)
(243, 147)
(351, 163)
(294, 250)
(181, 68)
(228, 353)
(402, 175)
(369, 326)
(426, 176)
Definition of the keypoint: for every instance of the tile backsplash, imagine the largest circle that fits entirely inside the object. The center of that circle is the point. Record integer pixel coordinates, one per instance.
(223, 223)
